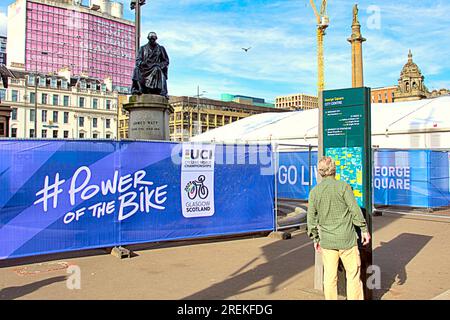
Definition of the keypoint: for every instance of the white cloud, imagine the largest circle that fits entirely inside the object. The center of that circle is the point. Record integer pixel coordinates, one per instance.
(207, 45)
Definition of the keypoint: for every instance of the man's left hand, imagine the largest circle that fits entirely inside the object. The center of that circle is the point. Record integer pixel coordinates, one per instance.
(365, 238)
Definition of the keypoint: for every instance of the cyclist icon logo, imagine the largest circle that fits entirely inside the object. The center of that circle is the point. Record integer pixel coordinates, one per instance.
(197, 188)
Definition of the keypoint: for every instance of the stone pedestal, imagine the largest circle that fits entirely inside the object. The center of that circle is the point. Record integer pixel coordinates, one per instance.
(149, 117)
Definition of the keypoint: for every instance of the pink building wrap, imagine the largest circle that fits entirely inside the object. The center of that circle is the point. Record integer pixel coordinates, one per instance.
(58, 37)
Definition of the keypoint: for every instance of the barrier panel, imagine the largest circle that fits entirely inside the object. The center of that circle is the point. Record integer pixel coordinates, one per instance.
(58, 196)
(295, 176)
(411, 178)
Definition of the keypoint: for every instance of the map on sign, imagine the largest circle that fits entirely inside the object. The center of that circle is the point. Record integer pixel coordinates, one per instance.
(349, 163)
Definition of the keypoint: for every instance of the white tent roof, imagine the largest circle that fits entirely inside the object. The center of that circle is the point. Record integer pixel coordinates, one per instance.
(399, 117)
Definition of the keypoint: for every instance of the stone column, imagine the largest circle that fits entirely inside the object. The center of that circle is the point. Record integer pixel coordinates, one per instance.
(149, 117)
(356, 40)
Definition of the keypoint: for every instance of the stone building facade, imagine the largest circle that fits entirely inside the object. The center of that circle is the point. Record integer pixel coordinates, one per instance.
(411, 84)
(61, 106)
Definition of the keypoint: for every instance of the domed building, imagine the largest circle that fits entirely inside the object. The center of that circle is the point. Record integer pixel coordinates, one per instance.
(411, 83)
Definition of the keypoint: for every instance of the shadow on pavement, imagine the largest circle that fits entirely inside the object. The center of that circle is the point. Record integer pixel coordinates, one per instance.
(11, 262)
(394, 256)
(284, 260)
(19, 291)
(51, 257)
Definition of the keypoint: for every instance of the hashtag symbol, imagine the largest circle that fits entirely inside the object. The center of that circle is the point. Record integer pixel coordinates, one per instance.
(49, 192)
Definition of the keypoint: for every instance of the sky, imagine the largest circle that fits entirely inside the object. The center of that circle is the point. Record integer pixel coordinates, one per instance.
(204, 40)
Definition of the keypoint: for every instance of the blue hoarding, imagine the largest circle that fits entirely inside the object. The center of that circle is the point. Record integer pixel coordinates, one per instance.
(412, 178)
(67, 195)
(294, 174)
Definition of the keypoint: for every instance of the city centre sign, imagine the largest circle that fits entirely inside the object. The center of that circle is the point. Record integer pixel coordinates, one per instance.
(347, 139)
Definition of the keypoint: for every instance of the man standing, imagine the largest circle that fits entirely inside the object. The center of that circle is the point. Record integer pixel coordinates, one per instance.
(150, 73)
(333, 214)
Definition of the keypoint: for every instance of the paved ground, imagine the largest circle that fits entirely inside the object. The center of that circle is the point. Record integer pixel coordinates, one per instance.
(412, 253)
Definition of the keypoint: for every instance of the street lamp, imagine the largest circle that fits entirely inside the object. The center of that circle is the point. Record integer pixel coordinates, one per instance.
(35, 78)
(198, 109)
(136, 6)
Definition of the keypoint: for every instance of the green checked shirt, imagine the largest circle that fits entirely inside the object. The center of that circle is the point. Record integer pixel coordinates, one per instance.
(333, 214)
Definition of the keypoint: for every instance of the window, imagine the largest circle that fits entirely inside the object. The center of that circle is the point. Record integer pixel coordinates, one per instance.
(44, 115)
(108, 136)
(108, 123)
(55, 99)
(64, 84)
(66, 101)
(13, 132)
(44, 98)
(14, 114)
(42, 81)
(103, 87)
(108, 105)
(14, 95)
(81, 102)
(66, 134)
(81, 121)
(94, 103)
(55, 134)
(32, 97)
(31, 80)
(94, 122)
(66, 117)
(95, 135)
(44, 133)
(81, 135)
(2, 94)
(55, 116)
(32, 133)
(32, 115)
(83, 85)
(54, 83)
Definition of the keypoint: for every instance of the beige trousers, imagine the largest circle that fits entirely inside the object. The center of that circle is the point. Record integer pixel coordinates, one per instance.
(352, 264)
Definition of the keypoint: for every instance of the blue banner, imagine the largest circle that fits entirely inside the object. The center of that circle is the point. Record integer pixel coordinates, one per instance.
(60, 196)
(294, 174)
(411, 178)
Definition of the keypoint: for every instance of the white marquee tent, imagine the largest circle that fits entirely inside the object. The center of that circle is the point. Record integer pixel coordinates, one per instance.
(408, 125)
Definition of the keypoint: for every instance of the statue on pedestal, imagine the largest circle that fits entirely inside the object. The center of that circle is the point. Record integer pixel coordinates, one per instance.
(355, 14)
(150, 72)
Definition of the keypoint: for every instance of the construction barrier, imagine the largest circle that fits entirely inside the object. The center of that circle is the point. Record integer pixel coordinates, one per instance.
(58, 196)
(410, 178)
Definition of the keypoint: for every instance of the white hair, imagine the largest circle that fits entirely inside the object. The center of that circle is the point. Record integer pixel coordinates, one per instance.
(326, 167)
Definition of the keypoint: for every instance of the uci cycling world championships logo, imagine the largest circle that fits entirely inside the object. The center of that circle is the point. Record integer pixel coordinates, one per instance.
(197, 180)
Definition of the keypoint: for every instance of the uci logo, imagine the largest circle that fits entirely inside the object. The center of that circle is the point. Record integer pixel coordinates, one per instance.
(197, 188)
(192, 154)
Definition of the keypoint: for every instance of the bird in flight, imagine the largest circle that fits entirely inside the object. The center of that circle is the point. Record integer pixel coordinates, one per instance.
(246, 49)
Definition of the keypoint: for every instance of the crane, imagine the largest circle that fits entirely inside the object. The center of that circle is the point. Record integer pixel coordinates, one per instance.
(322, 24)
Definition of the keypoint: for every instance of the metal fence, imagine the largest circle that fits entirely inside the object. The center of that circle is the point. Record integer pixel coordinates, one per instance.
(291, 208)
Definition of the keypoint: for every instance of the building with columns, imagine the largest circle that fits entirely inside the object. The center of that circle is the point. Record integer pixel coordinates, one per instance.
(411, 84)
(61, 106)
(193, 116)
